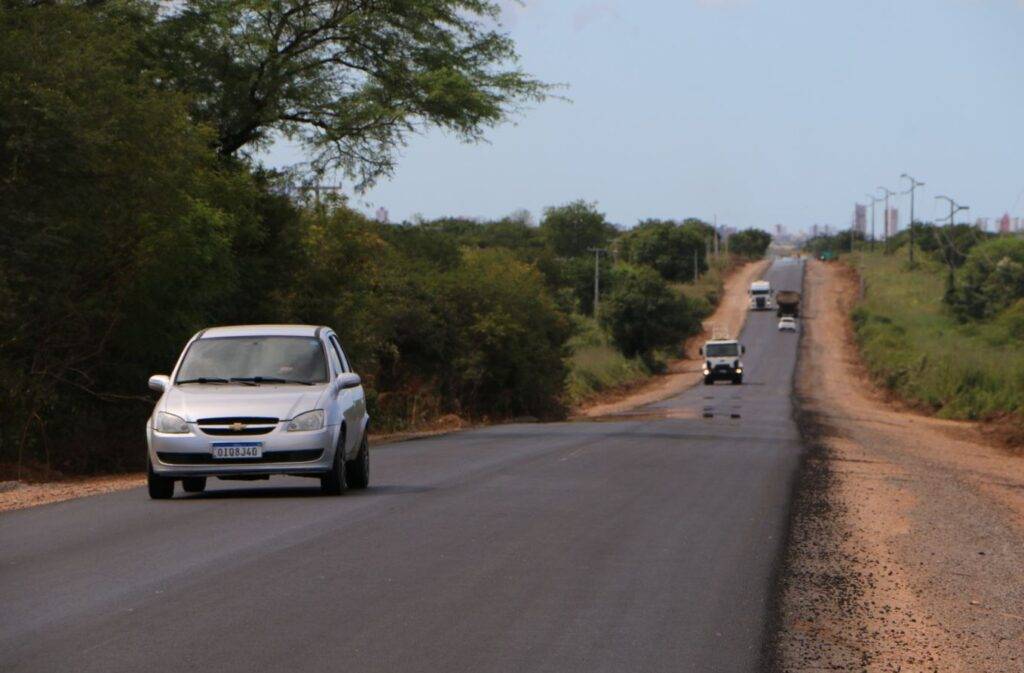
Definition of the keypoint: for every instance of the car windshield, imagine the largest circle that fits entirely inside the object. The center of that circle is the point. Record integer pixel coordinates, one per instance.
(759, 292)
(261, 359)
(722, 350)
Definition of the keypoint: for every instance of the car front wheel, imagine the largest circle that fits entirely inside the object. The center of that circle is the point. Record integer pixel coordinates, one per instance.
(357, 470)
(160, 488)
(334, 482)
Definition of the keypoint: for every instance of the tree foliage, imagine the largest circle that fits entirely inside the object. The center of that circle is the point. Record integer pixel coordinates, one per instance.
(644, 314)
(349, 79)
(991, 279)
(750, 243)
(669, 248)
(573, 229)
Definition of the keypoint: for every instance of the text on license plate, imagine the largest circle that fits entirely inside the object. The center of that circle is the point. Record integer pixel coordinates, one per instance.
(238, 450)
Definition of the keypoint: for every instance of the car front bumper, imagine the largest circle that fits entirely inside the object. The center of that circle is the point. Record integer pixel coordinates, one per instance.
(190, 455)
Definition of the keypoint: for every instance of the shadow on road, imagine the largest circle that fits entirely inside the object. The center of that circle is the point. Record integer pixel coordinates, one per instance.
(312, 491)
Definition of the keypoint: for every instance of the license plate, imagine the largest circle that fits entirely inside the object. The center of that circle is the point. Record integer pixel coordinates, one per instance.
(238, 450)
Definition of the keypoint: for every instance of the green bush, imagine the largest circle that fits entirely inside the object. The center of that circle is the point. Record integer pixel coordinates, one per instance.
(644, 314)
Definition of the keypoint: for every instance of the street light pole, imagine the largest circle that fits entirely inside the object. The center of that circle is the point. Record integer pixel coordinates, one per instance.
(914, 184)
(873, 202)
(954, 208)
(888, 193)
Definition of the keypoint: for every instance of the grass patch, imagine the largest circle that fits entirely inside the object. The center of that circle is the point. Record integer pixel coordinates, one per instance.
(596, 365)
(913, 345)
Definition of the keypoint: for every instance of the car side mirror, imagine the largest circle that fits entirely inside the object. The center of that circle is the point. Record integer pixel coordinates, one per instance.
(348, 380)
(159, 382)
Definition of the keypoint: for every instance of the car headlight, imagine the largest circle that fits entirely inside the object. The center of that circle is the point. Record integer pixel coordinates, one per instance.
(311, 420)
(170, 424)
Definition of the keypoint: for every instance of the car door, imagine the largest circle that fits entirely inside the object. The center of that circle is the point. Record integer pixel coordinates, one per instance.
(353, 401)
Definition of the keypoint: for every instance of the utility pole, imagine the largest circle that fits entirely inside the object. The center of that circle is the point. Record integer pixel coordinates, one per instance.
(873, 202)
(914, 184)
(954, 208)
(888, 193)
(597, 279)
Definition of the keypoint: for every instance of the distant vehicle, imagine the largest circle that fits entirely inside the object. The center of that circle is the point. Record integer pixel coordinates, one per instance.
(788, 303)
(252, 401)
(760, 295)
(787, 324)
(722, 361)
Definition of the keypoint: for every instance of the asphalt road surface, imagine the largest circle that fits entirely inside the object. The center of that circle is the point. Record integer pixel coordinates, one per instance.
(642, 543)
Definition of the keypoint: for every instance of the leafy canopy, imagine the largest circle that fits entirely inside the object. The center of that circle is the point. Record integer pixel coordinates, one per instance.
(348, 79)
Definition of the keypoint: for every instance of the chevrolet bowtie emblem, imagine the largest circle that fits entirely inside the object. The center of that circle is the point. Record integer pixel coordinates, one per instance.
(237, 427)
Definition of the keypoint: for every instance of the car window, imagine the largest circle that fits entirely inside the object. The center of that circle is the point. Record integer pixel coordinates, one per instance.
(332, 353)
(722, 350)
(291, 358)
(340, 354)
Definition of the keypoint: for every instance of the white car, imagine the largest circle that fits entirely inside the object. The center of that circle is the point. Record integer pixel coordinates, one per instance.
(787, 324)
(251, 401)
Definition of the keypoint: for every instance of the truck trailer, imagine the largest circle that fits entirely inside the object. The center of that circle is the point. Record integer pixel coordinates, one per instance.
(788, 303)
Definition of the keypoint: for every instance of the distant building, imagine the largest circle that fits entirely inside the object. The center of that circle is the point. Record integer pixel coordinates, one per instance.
(382, 215)
(814, 231)
(981, 223)
(860, 218)
(1004, 224)
(892, 221)
(1015, 224)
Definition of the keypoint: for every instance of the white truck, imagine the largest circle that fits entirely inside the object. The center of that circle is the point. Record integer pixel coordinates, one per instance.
(761, 296)
(722, 361)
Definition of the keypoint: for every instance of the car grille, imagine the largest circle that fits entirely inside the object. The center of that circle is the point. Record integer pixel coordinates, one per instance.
(301, 456)
(237, 426)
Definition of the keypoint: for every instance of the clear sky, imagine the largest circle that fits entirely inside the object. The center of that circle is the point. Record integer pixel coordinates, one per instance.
(759, 111)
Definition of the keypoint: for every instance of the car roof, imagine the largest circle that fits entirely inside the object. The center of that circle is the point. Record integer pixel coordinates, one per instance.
(722, 341)
(259, 330)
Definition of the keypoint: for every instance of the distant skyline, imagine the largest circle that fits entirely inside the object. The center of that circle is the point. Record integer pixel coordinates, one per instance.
(759, 111)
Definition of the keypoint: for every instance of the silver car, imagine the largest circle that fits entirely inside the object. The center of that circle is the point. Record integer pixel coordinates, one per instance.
(252, 401)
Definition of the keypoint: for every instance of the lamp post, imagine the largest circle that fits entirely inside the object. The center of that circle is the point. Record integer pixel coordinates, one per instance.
(874, 200)
(914, 184)
(954, 208)
(888, 193)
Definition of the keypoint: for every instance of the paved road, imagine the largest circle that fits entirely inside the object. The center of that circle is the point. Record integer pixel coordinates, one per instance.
(643, 543)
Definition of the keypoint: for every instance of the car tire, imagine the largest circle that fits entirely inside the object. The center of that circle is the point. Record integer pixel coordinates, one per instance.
(708, 380)
(160, 488)
(357, 470)
(194, 484)
(335, 482)
(737, 380)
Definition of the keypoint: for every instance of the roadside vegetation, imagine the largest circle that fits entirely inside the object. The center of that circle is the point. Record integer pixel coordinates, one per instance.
(133, 213)
(948, 333)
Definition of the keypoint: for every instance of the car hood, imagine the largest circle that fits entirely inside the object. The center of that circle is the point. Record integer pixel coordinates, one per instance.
(284, 402)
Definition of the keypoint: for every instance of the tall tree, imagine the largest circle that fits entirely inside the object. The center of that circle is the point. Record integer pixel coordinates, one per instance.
(349, 79)
(572, 229)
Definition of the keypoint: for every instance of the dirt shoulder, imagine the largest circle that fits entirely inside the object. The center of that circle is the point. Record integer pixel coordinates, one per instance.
(907, 542)
(730, 315)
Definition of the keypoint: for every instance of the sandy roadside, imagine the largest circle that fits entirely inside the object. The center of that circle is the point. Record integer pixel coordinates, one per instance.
(907, 546)
(682, 374)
